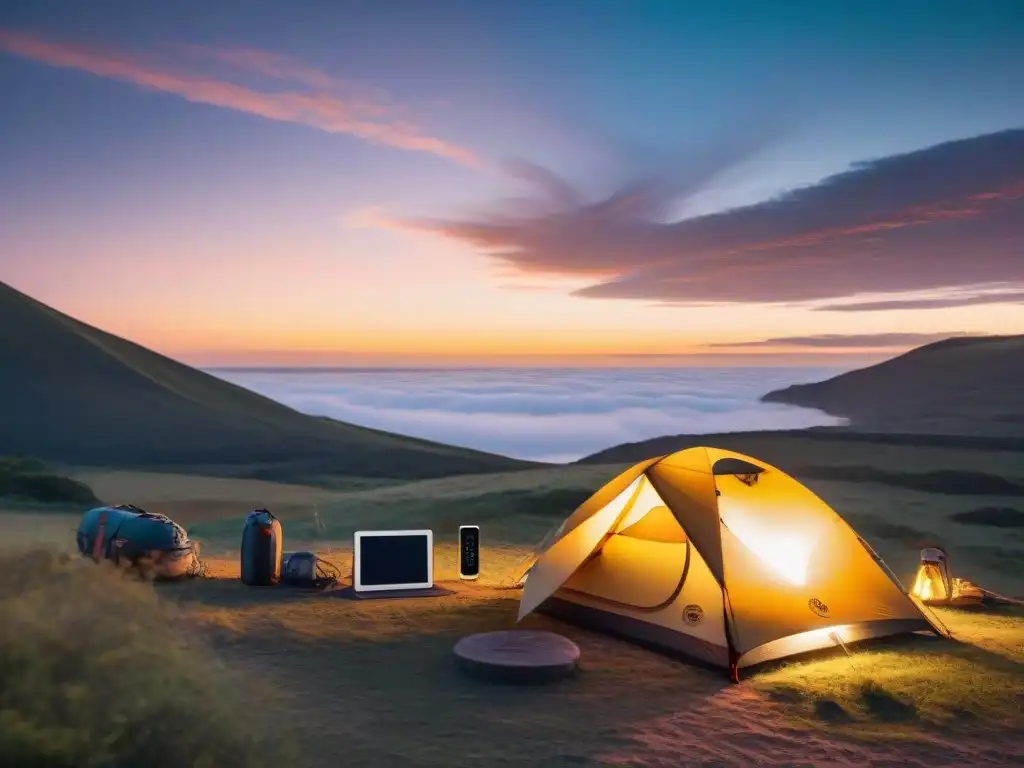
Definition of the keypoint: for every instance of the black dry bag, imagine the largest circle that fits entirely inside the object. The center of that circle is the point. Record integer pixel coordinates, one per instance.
(261, 549)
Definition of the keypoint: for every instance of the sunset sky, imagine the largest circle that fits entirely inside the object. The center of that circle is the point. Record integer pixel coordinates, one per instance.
(330, 182)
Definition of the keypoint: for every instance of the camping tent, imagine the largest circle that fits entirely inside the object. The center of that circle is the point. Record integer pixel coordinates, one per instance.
(719, 556)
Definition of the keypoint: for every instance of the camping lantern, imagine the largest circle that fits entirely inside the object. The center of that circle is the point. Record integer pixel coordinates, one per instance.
(935, 586)
(932, 583)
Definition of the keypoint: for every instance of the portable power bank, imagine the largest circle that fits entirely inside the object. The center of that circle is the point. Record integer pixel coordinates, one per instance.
(469, 551)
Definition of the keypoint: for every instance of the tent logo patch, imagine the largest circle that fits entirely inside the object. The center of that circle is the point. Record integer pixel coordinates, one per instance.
(693, 614)
(818, 607)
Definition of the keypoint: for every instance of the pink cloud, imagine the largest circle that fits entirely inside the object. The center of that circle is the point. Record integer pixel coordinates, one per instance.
(267, 63)
(849, 341)
(945, 218)
(956, 299)
(369, 121)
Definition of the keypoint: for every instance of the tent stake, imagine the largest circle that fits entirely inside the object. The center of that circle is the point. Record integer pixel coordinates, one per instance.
(839, 641)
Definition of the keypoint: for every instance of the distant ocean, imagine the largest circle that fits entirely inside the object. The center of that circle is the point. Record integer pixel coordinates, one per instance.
(556, 415)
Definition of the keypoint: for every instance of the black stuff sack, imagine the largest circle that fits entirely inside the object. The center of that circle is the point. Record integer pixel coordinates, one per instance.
(261, 549)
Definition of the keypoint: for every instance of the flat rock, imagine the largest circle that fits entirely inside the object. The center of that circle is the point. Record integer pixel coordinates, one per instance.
(517, 656)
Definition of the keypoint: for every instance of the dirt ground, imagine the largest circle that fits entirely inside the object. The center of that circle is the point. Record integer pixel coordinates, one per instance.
(374, 683)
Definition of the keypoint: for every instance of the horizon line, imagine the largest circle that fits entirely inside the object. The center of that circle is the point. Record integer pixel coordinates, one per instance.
(486, 367)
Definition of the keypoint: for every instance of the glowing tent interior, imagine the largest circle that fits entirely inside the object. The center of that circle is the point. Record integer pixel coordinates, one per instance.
(721, 557)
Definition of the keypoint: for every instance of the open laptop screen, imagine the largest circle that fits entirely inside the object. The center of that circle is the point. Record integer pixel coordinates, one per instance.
(393, 560)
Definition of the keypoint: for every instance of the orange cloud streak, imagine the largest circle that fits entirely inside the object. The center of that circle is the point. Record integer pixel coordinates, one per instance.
(318, 110)
(911, 217)
(916, 216)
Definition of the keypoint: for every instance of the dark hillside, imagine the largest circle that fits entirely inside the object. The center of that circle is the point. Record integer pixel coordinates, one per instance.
(960, 386)
(75, 394)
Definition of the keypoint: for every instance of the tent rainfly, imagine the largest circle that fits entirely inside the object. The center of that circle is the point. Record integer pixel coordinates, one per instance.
(721, 557)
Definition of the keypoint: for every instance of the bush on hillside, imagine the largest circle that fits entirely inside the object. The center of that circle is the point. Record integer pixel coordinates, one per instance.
(98, 671)
(951, 482)
(28, 479)
(544, 502)
(553, 503)
(20, 465)
(874, 527)
(997, 517)
(48, 489)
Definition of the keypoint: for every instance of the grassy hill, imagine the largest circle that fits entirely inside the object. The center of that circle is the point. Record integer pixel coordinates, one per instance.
(74, 394)
(953, 467)
(821, 444)
(964, 386)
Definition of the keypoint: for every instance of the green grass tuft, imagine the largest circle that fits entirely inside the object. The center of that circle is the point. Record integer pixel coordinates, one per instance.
(926, 681)
(98, 671)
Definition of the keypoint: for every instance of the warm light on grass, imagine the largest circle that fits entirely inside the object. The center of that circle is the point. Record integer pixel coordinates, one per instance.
(929, 681)
(318, 650)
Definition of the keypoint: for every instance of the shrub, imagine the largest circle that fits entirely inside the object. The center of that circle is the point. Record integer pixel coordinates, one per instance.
(98, 671)
(545, 502)
(28, 479)
(19, 465)
(997, 517)
(946, 481)
(49, 489)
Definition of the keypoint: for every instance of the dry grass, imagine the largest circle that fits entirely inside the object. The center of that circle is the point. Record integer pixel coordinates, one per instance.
(98, 671)
(514, 508)
(192, 498)
(378, 683)
(28, 530)
(519, 508)
(373, 681)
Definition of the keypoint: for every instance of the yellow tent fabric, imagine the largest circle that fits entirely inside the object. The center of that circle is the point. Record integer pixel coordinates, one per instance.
(721, 556)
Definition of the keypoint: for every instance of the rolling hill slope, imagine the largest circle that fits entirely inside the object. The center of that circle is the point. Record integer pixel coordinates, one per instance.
(832, 446)
(75, 394)
(963, 386)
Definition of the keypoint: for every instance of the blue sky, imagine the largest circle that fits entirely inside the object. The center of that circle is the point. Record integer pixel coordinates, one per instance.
(167, 202)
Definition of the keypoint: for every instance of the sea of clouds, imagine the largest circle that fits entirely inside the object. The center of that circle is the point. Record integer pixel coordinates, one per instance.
(541, 414)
